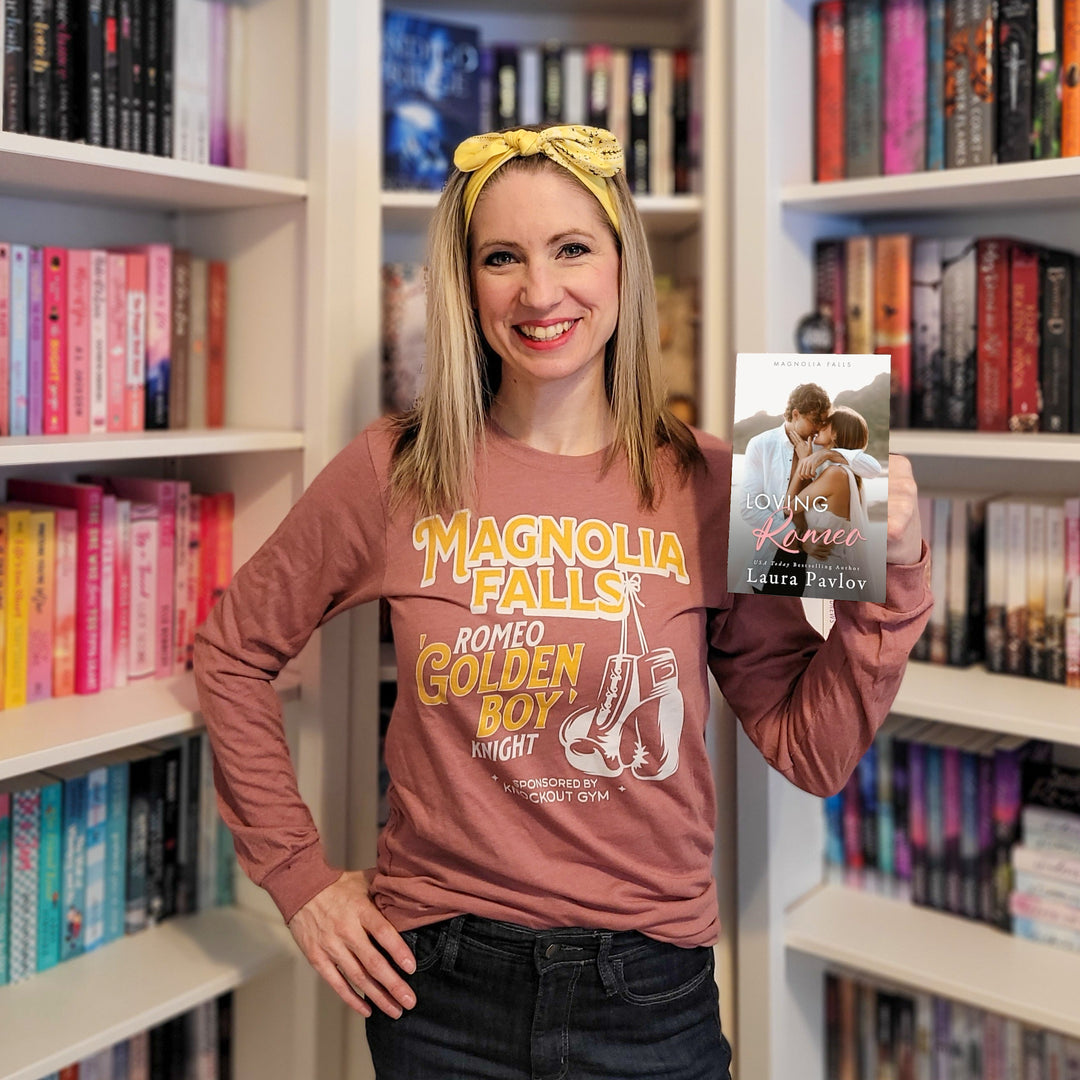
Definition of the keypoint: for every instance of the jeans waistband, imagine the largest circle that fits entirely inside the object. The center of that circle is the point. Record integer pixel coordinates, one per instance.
(569, 942)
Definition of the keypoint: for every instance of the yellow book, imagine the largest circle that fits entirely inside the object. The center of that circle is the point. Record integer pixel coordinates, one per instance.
(19, 584)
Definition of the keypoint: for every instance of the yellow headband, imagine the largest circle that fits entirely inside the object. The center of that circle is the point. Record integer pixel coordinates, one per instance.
(590, 153)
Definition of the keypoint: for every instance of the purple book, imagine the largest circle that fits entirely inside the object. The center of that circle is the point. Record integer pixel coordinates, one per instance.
(951, 797)
(36, 357)
(920, 889)
(904, 87)
(986, 835)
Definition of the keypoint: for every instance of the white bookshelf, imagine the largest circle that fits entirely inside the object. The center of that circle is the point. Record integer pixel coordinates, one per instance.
(65, 1014)
(788, 927)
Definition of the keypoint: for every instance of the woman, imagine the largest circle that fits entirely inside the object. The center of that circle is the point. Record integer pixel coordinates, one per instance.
(833, 501)
(551, 542)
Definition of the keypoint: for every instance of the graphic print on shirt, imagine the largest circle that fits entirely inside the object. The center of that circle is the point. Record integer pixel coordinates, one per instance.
(532, 570)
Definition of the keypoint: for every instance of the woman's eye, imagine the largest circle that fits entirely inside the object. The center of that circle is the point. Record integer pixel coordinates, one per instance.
(574, 250)
(498, 258)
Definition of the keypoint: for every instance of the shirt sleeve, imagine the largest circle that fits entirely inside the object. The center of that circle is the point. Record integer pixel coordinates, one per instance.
(812, 705)
(326, 556)
(862, 464)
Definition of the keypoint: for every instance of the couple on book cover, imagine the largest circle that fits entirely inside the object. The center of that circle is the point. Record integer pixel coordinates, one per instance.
(801, 524)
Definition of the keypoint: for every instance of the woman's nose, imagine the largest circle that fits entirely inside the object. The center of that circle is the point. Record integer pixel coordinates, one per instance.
(541, 288)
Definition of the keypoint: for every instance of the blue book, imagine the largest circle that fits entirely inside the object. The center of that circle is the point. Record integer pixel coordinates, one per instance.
(19, 360)
(935, 84)
(5, 881)
(116, 826)
(73, 889)
(866, 773)
(834, 837)
(97, 807)
(637, 157)
(25, 873)
(431, 98)
(50, 876)
(36, 352)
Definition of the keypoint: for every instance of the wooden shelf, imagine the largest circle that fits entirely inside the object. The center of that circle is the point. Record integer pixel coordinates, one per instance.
(51, 168)
(669, 215)
(89, 1003)
(1020, 186)
(136, 445)
(986, 445)
(49, 732)
(941, 954)
(973, 697)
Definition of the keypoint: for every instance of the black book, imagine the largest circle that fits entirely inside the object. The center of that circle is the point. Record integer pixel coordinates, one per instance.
(111, 72)
(15, 65)
(637, 165)
(170, 825)
(66, 95)
(161, 1051)
(140, 785)
(551, 75)
(681, 120)
(1051, 786)
(39, 48)
(1055, 341)
(124, 76)
(166, 22)
(93, 51)
(225, 1036)
(1016, 70)
(187, 879)
(138, 102)
(507, 88)
(151, 25)
(155, 841)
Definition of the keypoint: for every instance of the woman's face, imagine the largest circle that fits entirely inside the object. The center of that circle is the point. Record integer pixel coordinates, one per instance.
(825, 437)
(545, 277)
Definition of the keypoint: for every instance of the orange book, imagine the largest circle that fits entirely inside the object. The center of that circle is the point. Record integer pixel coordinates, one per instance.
(18, 584)
(829, 90)
(892, 319)
(216, 339)
(1070, 78)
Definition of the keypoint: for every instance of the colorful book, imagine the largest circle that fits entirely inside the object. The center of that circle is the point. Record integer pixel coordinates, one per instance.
(108, 589)
(50, 876)
(5, 882)
(1054, 663)
(196, 366)
(5, 338)
(1016, 66)
(863, 88)
(18, 586)
(829, 289)
(892, 319)
(180, 344)
(217, 285)
(142, 658)
(1070, 88)
(73, 775)
(97, 811)
(1072, 592)
(65, 608)
(1046, 107)
(19, 355)
(1056, 341)
(996, 590)
(36, 340)
(1024, 272)
(859, 288)
(637, 163)
(122, 623)
(25, 874)
(158, 334)
(992, 335)
(965, 603)
(134, 409)
(55, 345)
(935, 83)
(42, 605)
(99, 341)
(1035, 651)
(78, 342)
(904, 87)
(116, 840)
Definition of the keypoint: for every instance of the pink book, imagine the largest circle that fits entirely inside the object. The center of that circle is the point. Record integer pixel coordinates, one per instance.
(194, 575)
(64, 619)
(116, 338)
(183, 565)
(39, 665)
(219, 82)
(904, 108)
(55, 419)
(5, 338)
(135, 376)
(162, 493)
(36, 354)
(122, 614)
(158, 334)
(86, 500)
(144, 565)
(78, 342)
(207, 556)
(1072, 592)
(108, 588)
(99, 346)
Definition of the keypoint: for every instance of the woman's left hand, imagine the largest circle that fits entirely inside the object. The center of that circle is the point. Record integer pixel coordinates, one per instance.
(904, 531)
(809, 465)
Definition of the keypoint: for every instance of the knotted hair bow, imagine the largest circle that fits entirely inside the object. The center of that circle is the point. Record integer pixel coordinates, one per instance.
(589, 153)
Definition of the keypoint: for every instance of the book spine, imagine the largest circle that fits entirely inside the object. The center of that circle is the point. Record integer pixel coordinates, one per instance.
(110, 19)
(181, 629)
(14, 111)
(661, 139)
(125, 77)
(39, 59)
(904, 124)
(20, 340)
(66, 587)
(574, 89)
(1072, 592)
(951, 818)
(1054, 666)
(682, 109)
(901, 796)
(1016, 549)
(42, 604)
(65, 120)
(863, 88)
(506, 86)
(1049, 865)
(180, 339)
(93, 29)
(5, 338)
(135, 43)
(959, 292)
(1036, 591)
(18, 587)
(1016, 69)
(939, 545)
(958, 639)
(187, 875)
(50, 876)
(151, 59)
(986, 835)
(217, 285)
(158, 335)
(892, 319)
(829, 292)
(144, 573)
(926, 359)
(1007, 795)
(637, 166)
(166, 37)
(1047, 888)
(1044, 910)
(1070, 87)
(1024, 318)
(123, 592)
(139, 780)
(1046, 108)
(99, 341)
(135, 374)
(36, 344)
(170, 834)
(935, 83)
(529, 76)
(859, 284)
(196, 406)
(237, 110)
(25, 855)
(935, 829)
(108, 588)
(992, 336)
(619, 112)
(996, 572)
(886, 822)
(551, 83)
(78, 342)
(97, 808)
(73, 891)
(56, 277)
(969, 835)
(1074, 382)
(5, 885)
(1055, 341)
(206, 859)
(598, 81)
(982, 69)
(194, 577)
(116, 340)
(866, 773)
(155, 842)
(829, 91)
(116, 826)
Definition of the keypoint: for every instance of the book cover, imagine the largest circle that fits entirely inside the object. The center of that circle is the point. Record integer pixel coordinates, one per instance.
(926, 354)
(1016, 69)
(863, 88)
(637, 161)
(78, 342)
(54, 421)
(19, 352)
(959, 337)
(935, 84)
(1024, 273)
(992, 335)
(431, 97)
(5, 338)
(1046, 107)
(892, 319)
(904, 87)
(824, 536)
(829, 91)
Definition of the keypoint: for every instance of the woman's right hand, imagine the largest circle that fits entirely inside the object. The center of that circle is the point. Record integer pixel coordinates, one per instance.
(337, 930)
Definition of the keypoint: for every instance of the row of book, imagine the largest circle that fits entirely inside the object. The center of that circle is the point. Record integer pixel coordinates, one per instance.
(984, 332)
(196, 1044)
(163, 77)
(879, 1032)
(104, 583)
(1006, 582)
(902, 86)
(93, 850)
(403, 329)
(96, 340)
(441, 84)
(932, 814)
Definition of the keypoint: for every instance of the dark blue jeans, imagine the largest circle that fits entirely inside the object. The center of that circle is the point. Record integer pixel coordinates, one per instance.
(500, 1002)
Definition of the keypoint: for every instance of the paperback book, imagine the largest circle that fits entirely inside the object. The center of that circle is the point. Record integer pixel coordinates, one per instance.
(809, 485)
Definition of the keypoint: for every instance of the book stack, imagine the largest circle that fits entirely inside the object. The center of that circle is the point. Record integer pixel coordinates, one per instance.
(984, 332)
(1006, 584)
(906, 85)
(196, 1043)
(163, 77)
(105, 847)
(105, 582)
(875, 1030)
(96, 340)
(442, 84)
(931, 815)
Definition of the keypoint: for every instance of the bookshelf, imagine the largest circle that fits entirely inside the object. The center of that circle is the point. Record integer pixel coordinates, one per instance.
(302, 285)
(789, 926)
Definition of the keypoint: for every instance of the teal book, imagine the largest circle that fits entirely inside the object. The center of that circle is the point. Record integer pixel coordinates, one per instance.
(5, 881)
(863, 56)
(935, 84)
(226, 875)
(51, 876)
(97, 807)
(116, 828)
(72, 775)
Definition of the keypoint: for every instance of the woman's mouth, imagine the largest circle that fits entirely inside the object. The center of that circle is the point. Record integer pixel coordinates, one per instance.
(548, 334)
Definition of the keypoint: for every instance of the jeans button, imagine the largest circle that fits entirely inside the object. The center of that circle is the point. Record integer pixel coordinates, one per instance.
(551, 951)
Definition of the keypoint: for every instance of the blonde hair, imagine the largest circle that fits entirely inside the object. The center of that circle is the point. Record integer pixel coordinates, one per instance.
(437, 440)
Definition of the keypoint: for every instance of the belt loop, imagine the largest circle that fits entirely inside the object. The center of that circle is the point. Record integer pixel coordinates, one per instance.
(604, 965)
(452, 934)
